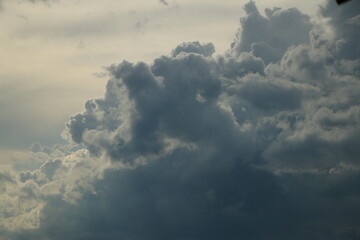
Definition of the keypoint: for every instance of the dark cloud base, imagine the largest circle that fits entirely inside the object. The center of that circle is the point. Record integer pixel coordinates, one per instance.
(156, 202)
(259, 143)
(160, 202)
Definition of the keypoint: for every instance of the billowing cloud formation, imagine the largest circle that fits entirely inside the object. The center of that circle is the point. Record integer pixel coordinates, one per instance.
(58, 173)
(260, 143)
(273, 34)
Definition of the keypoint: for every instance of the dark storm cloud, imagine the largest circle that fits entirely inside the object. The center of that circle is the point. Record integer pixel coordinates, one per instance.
(260, 143)
(175, 98)
(273, 34)
(165, 201)
(347, 32)
(328, 133)
(282, 118)
(228, 113)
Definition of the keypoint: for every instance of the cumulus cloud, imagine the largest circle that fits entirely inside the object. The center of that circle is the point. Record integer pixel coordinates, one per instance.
(258, 143)
(25, 192)
(273, 34)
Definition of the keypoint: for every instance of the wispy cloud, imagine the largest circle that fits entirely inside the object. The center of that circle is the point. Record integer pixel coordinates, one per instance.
(164, 2)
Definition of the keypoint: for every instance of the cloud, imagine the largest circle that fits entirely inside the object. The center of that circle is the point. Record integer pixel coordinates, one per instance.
(152, 118)
(340, 20)
(258, 143)
(164, 2)
(273, 34)
(194, 47)
(31, 1)
(44, 1)
(60, 174)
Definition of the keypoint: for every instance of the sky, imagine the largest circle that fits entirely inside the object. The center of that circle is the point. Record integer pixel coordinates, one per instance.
(179, 120)
(54, 52)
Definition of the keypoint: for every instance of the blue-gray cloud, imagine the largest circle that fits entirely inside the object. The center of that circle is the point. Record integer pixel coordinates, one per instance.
(259, 143)
(273, 35)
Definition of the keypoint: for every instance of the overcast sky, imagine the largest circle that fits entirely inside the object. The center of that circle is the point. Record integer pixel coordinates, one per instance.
(179, 120)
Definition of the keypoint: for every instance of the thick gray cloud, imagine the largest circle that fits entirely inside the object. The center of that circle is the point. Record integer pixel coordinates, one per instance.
(175, 99)
(343, 21)
(273, 34)
(259, 143)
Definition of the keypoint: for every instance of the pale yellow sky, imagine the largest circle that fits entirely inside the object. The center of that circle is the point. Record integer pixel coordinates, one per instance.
(49, 53)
